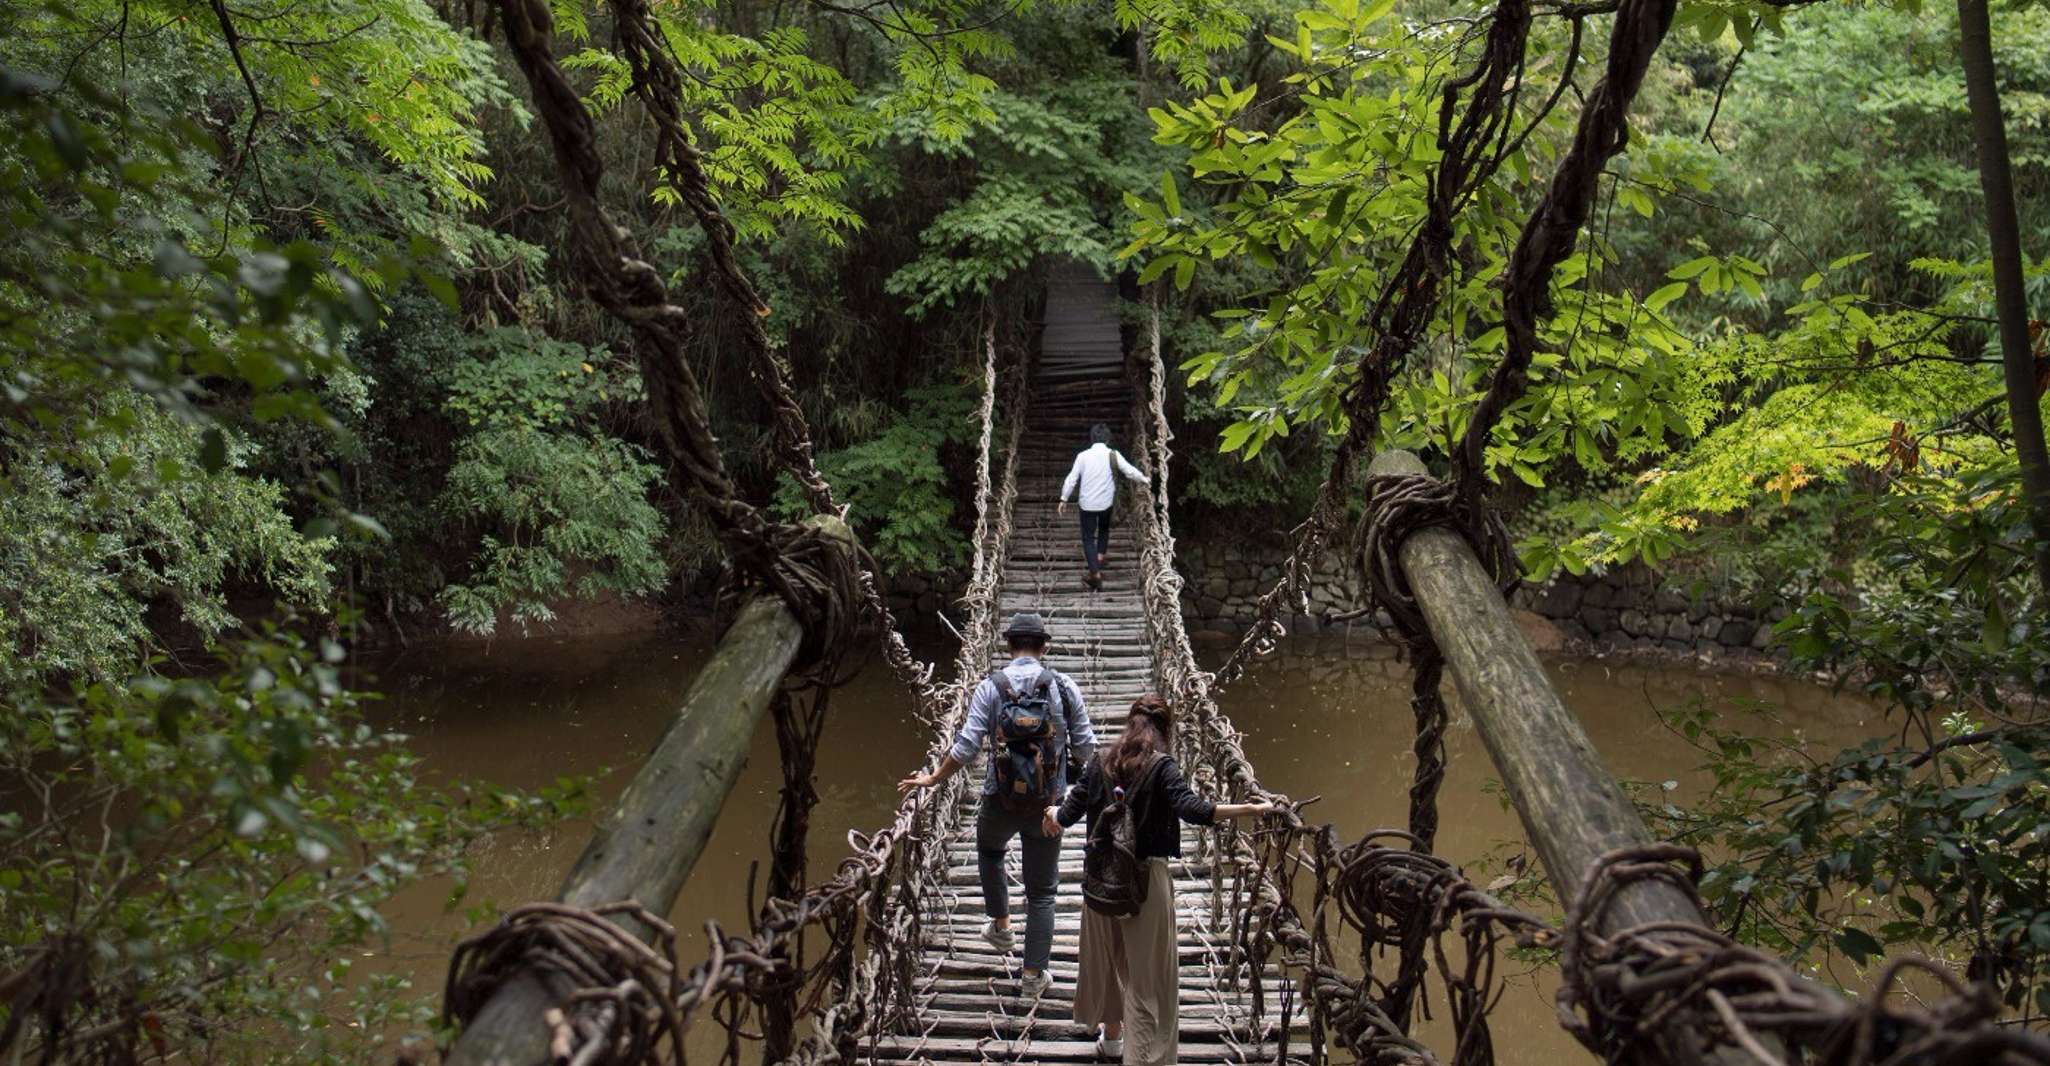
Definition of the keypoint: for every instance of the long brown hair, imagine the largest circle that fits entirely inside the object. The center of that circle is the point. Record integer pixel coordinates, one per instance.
(1149, 729)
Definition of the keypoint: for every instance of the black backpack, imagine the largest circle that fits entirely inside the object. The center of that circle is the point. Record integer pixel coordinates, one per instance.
(1026, 753)
(1113, 876)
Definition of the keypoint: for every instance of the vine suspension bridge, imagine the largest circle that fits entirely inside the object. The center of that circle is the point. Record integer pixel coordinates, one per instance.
(969, 1007)
(1294, 946)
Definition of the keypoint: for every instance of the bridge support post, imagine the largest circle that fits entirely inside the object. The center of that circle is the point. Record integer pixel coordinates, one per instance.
(1571, 807)
(645, 847)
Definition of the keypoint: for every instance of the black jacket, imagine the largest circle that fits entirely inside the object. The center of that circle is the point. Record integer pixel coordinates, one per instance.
(1167, 798)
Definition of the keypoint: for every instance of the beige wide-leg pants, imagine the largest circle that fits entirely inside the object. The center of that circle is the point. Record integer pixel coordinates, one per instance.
(1129, 973)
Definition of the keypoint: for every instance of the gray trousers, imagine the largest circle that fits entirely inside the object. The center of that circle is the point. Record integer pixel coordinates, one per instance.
(1041, 855)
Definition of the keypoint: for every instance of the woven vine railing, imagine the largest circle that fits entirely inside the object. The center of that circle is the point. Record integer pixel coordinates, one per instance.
(1360, 931)
(630, 1000)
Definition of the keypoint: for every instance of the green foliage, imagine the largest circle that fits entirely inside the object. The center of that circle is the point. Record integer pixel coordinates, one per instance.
(1949, 619)
(1327, 200)
(167, 837)
(569, 514)
(100, 289)
(895, 484)
(364, 113)
(1277, 484)
(779, 128)
(1879, 847)
(133, 367)
(564, 508)
(1935, 837)
(1886, 163)
(1837, 394)
(1046, 162)
(1186, 36)
(91, 539)
(187, 862)
(1322, 187)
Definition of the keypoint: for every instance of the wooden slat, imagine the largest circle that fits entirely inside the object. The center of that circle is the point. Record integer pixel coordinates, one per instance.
(940, 1048)
(970, 1009)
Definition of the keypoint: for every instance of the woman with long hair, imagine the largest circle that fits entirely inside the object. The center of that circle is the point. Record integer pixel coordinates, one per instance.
(1129, 974)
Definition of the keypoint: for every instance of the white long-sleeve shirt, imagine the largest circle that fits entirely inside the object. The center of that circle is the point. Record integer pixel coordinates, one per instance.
(1093, 470)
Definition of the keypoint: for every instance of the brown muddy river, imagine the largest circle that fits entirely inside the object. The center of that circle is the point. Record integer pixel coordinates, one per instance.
(1323, 718)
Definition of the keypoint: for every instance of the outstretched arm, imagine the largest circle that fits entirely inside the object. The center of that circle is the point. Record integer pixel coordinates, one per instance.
(1194, 809)
(949, 766)
(1131, 472)
(979, 710)
(1174, 788)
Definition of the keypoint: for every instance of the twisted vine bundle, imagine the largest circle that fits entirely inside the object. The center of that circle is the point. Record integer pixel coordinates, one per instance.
(1676, 987)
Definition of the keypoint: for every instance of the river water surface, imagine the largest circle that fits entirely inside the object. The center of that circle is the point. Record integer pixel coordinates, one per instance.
(1325, 717)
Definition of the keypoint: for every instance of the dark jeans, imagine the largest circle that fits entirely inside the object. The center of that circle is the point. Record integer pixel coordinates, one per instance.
(1095, 536)
(994, 828)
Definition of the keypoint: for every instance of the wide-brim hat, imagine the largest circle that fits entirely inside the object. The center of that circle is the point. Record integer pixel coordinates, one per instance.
(1027, 624)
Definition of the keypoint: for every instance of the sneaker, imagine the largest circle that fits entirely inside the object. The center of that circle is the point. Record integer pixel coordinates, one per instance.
(1107, 1049)
(1035, 984)
(999, 937)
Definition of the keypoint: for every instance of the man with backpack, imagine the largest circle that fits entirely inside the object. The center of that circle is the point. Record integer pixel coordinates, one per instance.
(1036, 723)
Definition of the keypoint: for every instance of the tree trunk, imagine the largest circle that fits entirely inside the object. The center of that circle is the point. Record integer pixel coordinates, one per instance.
(645, 847)
(1572, 808)
(2010, 302)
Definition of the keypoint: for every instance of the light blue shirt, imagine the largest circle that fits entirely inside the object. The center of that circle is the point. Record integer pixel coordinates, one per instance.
(1072, 728)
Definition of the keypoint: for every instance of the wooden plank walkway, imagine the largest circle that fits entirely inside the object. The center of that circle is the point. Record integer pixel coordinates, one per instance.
(970, 1010)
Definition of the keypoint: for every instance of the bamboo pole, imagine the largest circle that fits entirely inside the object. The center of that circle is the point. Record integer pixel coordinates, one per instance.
(1571, 807)
(645, 847)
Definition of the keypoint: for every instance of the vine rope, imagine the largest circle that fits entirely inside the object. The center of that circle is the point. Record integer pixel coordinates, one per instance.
(630, 999)
(824, 580)
(657, 81)
(1666, 991)
(632, 1003)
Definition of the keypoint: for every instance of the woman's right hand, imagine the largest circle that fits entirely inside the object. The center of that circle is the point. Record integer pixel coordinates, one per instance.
(1243, 810)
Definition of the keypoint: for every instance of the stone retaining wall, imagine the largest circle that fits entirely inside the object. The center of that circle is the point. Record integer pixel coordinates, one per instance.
(1628, 608)
(914, 594)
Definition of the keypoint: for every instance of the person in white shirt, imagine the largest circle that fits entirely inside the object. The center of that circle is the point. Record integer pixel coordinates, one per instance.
(1095, 473)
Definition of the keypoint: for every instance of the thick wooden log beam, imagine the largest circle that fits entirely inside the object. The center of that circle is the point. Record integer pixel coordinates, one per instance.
(645, 847)
(1571, 807)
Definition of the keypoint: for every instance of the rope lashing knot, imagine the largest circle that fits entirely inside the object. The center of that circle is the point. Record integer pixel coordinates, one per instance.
(819, 571)
(1398, 505)
(1624, 987)
(622, 1005)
